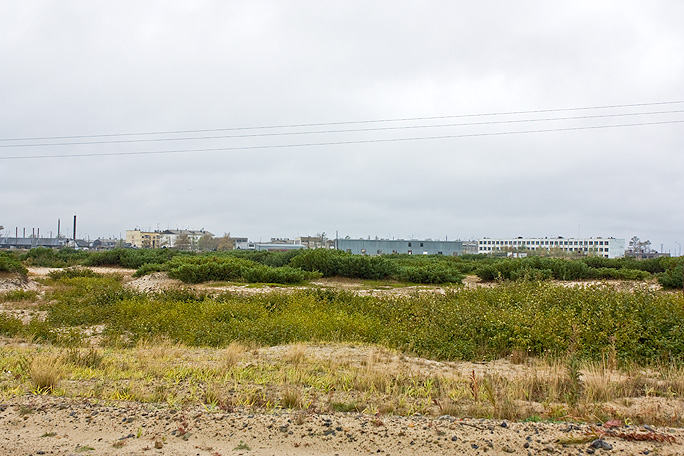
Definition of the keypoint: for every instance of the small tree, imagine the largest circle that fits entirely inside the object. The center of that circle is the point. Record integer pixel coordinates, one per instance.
(225, 243)
(182, 242)
(207, 243)
(637, 246)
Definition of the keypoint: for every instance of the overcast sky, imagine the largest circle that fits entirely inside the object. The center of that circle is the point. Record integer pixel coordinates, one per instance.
(71, 68)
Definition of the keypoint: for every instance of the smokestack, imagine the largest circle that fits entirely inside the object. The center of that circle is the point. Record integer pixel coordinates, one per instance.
(59, 223)
(74, 230)
(38, 232)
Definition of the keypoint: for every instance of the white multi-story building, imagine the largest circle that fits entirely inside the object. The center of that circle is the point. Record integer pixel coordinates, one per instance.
(168, 238)
(604, 247)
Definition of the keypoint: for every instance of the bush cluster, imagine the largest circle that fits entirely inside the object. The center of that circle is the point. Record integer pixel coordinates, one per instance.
(224, 268)
(10, 263)
(673, 277)
(70, 273)
(131, 258)
(337, 263)
(540, 268)
(51, 258)
(330, 263)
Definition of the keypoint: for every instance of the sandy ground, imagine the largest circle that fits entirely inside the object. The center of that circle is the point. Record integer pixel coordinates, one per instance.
(33, 425)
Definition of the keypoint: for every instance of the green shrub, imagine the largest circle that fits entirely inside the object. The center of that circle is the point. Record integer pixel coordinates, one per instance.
(70, 273)
(622, 274)
(540, 268)
(51, 258)
(18, 295)
(336, 263)
(149, 268)
(229, 268)
(85, 300)
(10, 326)
(9, 263)
(132, 258)
(285, 274)
(672, 278)
(431, 273)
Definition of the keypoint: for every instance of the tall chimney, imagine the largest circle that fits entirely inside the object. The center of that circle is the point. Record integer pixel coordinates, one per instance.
(74, 230)
(59, 223)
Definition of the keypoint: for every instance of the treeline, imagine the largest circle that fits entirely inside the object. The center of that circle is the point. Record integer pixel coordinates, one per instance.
(301, 265)
(668, 271)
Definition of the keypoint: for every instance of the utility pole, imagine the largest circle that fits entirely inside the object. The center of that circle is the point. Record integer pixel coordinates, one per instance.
(680, 254)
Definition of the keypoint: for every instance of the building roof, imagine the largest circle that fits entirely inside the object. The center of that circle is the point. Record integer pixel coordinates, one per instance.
(31, 242)
(188, 232)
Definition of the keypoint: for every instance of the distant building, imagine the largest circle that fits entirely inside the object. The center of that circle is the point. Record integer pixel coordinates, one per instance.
(276, 247)
(31, 243)
(105, 244)
(315, 242)
(645, 255)
(143, 239)
(469, 248)
(389, 246)
(242, 243)
(170, 237)
(603, 247)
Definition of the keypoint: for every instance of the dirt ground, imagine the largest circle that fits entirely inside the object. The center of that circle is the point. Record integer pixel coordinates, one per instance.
(46, 425)
(43, 424)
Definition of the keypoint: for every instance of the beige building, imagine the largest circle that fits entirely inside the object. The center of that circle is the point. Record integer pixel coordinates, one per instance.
(315, 242)
(143, 239)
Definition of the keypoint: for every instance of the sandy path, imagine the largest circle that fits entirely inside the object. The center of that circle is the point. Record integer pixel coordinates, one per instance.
(33, 425)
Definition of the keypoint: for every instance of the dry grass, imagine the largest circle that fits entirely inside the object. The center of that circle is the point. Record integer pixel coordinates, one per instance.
(292, 398)
(353, 378)
(45, 372)
(296, 354)
(232, 354)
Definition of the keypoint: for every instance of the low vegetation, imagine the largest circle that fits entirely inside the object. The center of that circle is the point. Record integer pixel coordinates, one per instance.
(596, 350)
(10, 263)
(356, 378)
(299, 266)
(540, 318)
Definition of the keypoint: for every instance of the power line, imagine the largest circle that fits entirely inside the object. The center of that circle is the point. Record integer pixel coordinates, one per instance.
(406, 119)
(405, 127)
(335, 143)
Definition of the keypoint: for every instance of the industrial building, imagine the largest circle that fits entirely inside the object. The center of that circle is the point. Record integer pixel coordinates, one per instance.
(389, 246)
(603, 247)
(31, 242)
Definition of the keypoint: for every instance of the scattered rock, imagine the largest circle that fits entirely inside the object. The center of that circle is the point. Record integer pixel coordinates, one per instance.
(601, 444)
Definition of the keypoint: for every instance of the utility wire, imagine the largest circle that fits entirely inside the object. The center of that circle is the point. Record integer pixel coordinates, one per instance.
(335, 143)
(408, 127)
(406, 119)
